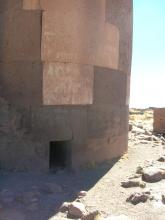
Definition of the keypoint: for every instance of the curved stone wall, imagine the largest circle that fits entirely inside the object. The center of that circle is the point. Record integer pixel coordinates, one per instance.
(65, 68)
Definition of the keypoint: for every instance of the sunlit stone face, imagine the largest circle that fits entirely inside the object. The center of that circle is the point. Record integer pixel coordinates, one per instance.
(76, 31)
(67, 83)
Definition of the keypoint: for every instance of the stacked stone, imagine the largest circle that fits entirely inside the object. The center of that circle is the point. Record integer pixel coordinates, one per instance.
(69, 63)
(20, 53)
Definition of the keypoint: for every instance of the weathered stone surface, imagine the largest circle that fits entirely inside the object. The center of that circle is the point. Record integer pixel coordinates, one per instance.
(103, 131)
(82, 194)
(109, 86)
(91, 114)
(139, 170)
(161, 158)
(138, 130)
(64, 42)
(8, 5)
(163, 198)
(136, 198)
(48, 121)
(67, 84)
(25, 28)
(145, 142)
(130, 127)
(64, 207)
(77, 209)
(152, 174)
(159, 120)
(31, 5)
(134, 176)
(133, 183)
(115, 10)
(22, 83)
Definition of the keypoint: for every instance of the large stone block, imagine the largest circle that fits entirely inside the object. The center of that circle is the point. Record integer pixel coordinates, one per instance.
(20, 36)
(81, 94)
(67, 84)
(106, 120)
(18, 151)
(76, 31)
(159, 120)
(110, 87)
(31, 5)
(52, 5)
(51, 124)
(23, 155)
(21, 82)
(107, 135)
(120, 14)
(10, 5)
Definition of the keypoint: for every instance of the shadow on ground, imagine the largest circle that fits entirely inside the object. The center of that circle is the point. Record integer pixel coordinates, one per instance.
(69, 182)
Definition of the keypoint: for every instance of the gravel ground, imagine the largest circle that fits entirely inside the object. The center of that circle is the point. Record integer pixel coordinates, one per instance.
(38, 197)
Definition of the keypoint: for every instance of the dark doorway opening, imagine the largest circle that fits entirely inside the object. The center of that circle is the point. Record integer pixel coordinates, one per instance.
(59, 155)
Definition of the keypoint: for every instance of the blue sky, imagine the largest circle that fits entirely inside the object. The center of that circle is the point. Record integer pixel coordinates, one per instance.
(148, 63)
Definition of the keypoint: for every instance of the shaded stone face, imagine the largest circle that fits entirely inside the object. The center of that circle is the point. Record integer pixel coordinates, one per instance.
(64, 77)
(20, 36)
(76, 32)
(159, 120)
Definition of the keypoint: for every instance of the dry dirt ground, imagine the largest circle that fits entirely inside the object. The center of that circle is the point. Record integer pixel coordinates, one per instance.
(38, 197)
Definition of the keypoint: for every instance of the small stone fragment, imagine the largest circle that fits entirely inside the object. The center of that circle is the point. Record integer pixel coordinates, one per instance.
(148, 133)
(92, 216)
(133, 183)
(162, 138)
(82, 194)
(64, 207)
(139, 170)
(152, 175)
(135, 176)
(155, 138)
(145, 142)
(161, 158)
(130, 127)
(148, 138)
(163, 198)
(77, 210)
(138, 130)
(136, 198)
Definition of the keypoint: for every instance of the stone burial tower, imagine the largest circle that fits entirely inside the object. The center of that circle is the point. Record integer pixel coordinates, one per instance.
(64, 82)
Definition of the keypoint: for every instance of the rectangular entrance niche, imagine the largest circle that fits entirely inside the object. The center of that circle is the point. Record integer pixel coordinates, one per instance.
(59, 155)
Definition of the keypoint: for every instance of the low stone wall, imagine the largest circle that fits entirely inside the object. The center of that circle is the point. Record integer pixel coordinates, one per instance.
(159, 120)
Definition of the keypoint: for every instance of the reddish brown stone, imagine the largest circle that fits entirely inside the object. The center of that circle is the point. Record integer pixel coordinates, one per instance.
(67, 84)
(76, 31)
(159, 120)
(31, 4)
(64, 77)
